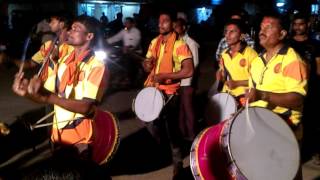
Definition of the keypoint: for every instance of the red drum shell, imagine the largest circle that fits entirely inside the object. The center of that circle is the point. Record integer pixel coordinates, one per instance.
(106, 137)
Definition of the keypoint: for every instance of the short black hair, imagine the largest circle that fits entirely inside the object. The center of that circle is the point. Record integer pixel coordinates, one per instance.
(93, 26)
(239, 12)
(129, 19)
(301, 16)
(171, 13)
(283, 20)
(63, 16)
(237, 22)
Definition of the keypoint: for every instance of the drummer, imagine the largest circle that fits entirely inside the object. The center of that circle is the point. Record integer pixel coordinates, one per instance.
(59, 24)
(74, 88)
(278, 76)
(235, 61)
(168, 61)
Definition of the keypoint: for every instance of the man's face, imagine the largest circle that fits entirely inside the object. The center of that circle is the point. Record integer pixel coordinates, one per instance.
(232, 34)
(128, 24)
(300, 27)
(165, 24)
(78, 34)
(270, 32)
(55, 25)
(179, 28)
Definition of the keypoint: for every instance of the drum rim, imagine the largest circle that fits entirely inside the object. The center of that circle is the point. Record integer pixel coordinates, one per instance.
(234, 100)
(134, 102)
(232, 159)
(194, 154)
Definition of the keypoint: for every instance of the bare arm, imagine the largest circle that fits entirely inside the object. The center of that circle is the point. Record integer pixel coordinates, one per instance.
(234, 84)
(84, 107)
(290, 100)
(38, 94)
(186, 71)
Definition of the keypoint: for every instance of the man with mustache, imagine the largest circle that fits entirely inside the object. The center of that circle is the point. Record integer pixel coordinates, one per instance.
(278, 75)
(169, 60)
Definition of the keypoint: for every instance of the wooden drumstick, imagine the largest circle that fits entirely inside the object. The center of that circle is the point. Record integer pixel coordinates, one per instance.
(32, 127)
(24, 53)
(45, 117)
(47, 57)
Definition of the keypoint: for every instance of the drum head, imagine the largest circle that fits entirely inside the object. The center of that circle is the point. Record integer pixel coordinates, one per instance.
(222, 106)
(263, 146)
(148, 104)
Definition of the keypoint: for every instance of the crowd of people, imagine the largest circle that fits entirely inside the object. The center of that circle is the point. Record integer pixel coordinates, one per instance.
(278, 69)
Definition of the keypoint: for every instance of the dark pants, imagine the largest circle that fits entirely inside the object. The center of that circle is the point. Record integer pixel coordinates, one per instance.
(166, 128)
(186, 115)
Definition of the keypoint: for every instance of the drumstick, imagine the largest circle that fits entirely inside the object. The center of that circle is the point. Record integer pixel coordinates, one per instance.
(47, 57)
(24, 53)
(45, 117)
(251, 132)
(50, 124)
(169, 98)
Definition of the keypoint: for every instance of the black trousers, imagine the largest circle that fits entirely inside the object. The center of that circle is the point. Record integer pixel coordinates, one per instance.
(166, 128)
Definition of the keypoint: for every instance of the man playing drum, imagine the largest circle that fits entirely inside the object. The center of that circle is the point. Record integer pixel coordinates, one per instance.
(168, 60)
(74, 87)
(278, 75)
(235, 61)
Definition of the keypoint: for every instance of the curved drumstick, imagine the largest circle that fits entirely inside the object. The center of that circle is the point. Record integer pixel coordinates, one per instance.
(24, 53)
(25, 48)
(251, 132)
(47, 57)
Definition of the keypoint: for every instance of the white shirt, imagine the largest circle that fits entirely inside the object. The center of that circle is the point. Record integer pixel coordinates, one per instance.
(193, 46)
(129, 38)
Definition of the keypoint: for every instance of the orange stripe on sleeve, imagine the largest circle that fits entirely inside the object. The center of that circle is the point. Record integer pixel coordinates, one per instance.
(183, 50)
(96, 76)
(296, 70)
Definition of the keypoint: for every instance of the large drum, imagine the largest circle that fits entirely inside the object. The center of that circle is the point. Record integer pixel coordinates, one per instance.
(221, 106)
(148, 104)
(106, 136)
(255, 146)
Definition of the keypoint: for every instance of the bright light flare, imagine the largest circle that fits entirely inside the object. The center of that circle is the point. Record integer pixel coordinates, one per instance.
(100, 54)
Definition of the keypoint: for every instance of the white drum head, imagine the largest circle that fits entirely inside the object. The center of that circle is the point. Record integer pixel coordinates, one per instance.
(264, 147)
(223, 105)
(148, 104)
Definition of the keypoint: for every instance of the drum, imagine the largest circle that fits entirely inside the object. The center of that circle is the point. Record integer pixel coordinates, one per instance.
(221, 106)
(148, 104)
(257, 145)
(106, 137)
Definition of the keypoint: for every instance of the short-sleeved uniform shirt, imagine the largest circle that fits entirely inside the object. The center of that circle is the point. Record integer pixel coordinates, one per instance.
(90, 86)
(39, 56)
(180, 53)
(284, 73)
(237, 67)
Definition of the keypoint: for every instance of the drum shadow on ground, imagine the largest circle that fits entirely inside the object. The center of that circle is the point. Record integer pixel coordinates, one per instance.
(21, 138)
(139, 153)
(125, 115)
